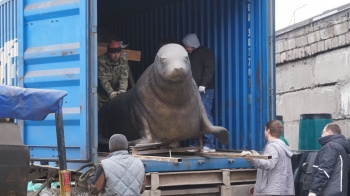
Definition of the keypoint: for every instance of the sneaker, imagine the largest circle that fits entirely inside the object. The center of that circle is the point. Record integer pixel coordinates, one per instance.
(207, 149)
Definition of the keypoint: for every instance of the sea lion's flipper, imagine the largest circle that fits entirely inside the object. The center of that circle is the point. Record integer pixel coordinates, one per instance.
(219, 132)
(145, 139)
(142, 140)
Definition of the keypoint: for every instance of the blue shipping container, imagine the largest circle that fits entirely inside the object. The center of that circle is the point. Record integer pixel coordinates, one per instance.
(52, 44)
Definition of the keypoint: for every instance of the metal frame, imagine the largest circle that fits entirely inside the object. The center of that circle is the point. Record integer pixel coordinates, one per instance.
(198, 182)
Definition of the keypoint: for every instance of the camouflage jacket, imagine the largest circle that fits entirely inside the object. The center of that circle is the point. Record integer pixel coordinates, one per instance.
(112, 76)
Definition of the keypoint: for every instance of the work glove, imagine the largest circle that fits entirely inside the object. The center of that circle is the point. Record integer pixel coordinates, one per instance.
(251, 152)
(244, 153)
(116, 93)
(312, 194)
(121, 92)
(254, 152)
(201, 89)
(113, 94)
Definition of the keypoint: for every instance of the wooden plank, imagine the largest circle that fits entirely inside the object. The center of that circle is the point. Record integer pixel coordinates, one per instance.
(235, 155)
(101, 49)
(168, 150)
(139, 147)
(132, 55)
(159, 158)
(159, 148)
(148, 146)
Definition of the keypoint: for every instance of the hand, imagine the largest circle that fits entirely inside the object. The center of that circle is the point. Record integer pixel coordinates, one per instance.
(244, 153)
(121, 92)
(254, 152)
(312, 194)
(113, 94)
(201, 89)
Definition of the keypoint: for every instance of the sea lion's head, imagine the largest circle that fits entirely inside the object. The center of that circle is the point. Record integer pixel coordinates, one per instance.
(172, 63)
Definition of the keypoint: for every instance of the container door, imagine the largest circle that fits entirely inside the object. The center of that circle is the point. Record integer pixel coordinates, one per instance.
(8, 41)
(55, 51)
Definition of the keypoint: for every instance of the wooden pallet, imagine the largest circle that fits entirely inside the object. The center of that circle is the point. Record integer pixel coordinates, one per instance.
(160, 152)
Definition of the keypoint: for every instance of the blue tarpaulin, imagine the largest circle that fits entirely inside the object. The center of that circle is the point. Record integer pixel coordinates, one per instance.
(29, 103)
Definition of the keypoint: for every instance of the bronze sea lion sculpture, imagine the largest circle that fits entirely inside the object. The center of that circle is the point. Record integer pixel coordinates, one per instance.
(164, 106)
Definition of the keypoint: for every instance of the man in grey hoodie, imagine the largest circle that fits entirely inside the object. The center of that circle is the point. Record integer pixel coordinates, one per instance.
(275, 175)
(202, 68)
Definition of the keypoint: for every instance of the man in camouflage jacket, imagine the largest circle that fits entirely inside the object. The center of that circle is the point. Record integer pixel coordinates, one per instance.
(112, 73)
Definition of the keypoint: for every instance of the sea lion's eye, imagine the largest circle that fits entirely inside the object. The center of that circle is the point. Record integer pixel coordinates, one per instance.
(162, 60)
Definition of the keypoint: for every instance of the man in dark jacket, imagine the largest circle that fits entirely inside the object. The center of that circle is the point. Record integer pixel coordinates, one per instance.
(202, 67)
(331, 167)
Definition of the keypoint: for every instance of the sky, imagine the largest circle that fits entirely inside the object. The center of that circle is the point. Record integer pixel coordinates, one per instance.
(289, 12)
(302, 10)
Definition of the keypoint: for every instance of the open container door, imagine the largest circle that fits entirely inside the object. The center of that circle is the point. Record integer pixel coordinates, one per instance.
(239, 32)
(54, 53)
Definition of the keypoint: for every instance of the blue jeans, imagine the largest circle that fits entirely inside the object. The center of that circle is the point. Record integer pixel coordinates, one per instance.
(207, 100)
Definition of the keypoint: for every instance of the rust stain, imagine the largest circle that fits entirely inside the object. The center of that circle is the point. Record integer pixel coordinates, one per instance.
(257, 76)
(66, 53)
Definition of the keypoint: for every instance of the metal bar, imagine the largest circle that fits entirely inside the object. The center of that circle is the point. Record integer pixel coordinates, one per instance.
(165, 150)
(188, 178)
(37, 193)
(92, 100)
(154, 181)
(226, 177)
(271, 60)
(57, 160)
(192, 191)
(60, 139)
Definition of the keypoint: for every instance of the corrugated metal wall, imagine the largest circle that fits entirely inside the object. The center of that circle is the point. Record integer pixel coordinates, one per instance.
(53, 53)
(8, 42)
(237, 32)
(53, 48)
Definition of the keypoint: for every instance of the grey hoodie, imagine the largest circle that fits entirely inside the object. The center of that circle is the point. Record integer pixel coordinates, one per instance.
(275, 175)
(191, 40)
